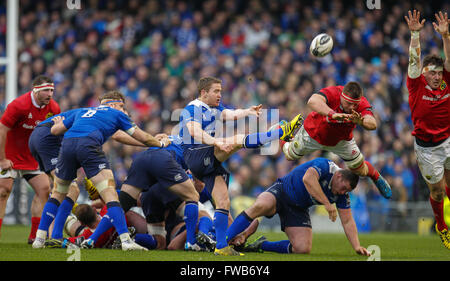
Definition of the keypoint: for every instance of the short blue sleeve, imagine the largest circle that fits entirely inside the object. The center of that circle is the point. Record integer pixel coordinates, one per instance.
(124, 121)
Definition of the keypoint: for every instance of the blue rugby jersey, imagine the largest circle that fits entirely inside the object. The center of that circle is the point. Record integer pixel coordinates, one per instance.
(295, 188)
(200, 112)
(99, 123)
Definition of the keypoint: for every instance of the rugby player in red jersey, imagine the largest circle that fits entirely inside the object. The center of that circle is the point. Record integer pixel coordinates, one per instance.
(16, 124)
(429, 101)
(336, 110)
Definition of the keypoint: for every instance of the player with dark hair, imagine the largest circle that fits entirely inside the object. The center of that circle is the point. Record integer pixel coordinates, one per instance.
(17, 122)
(319, 181)
(429, 100)
(204, 152)
(84, 135)
(336, 112)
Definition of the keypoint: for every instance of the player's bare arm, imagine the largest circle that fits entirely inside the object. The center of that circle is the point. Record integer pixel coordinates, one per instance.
(414, 25)
(236, 114)
(122, 137)
(441, 26)
(318, 104)
(58, 127)
(349, 226)
(5, 164)
(311, 181)
(148, 139)
(196, 131)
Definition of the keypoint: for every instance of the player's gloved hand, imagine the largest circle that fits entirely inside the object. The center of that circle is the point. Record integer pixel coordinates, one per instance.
(90, 188)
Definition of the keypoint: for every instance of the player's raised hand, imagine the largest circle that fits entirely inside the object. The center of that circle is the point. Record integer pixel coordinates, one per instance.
(413, 21)
(255, 110)
(442, 23)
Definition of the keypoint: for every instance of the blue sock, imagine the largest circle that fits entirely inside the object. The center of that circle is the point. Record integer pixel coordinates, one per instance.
(146, 240)
(241, 222)
(220, 226)
(102, 227)
(257, 140)
(282, 247)
(205, 225)
(117, 217)
(190, 218)
(61, 216)
(48, 214)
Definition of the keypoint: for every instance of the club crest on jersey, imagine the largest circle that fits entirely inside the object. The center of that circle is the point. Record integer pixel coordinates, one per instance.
(30, 116)
(443, 85)
(50, 114)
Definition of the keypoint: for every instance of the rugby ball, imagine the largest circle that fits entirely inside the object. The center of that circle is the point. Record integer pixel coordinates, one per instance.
(321, 45)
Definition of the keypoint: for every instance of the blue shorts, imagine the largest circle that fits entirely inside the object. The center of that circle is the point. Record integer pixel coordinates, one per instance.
(156, 201)
(83, 152)
(204, 165)
(155, 166)
(45, 147)
(290, 214)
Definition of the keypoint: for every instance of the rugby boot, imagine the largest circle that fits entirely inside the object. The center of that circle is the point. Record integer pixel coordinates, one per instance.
(255, 246)
(445, 237)
(227, 251)
(291, 127)
(383, 187)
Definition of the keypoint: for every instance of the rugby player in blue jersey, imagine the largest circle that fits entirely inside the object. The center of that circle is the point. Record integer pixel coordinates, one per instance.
(44, 146)
(84, 135)
(204, 152)
(316, 182)
(165, 167)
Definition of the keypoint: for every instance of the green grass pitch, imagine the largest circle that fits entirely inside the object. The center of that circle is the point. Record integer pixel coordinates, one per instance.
(326, 247)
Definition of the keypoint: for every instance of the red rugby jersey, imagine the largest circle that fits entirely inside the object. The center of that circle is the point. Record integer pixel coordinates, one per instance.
(21, 116)
(430, 109)
(330, 133)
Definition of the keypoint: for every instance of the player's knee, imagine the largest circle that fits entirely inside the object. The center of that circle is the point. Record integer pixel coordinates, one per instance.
(223, 203)
(4, 193)
(301, 248)
(357, 165)
(74, 191)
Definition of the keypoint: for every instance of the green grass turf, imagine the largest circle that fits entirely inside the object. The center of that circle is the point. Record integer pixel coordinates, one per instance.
(326, 247)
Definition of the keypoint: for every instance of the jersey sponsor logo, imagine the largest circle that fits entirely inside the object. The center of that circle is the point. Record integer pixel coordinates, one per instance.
(436, 98)
(26, 126)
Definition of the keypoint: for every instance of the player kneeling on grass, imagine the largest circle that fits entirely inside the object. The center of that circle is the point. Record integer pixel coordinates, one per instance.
(319, 181)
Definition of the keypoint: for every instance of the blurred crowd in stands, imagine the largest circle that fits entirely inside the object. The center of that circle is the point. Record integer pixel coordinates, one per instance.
(155, 52)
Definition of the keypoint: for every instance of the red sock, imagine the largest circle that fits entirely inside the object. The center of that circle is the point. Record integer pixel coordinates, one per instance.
(34, 227)
(372, 172)
(1, 221)
(438, 210)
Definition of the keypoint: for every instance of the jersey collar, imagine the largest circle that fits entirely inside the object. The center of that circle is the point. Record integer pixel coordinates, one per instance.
(33, 101)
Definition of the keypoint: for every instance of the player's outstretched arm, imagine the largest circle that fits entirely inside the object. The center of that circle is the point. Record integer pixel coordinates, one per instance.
(349, 225)
(196, 131)
(318, 103)
(441, 26)
(228, 114)
(414, 25)
(122, 137)
(148, 139)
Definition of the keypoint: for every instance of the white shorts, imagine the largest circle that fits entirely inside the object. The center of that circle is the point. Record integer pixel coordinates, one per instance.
(11, 173)
(346, 150)
(433, 160)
